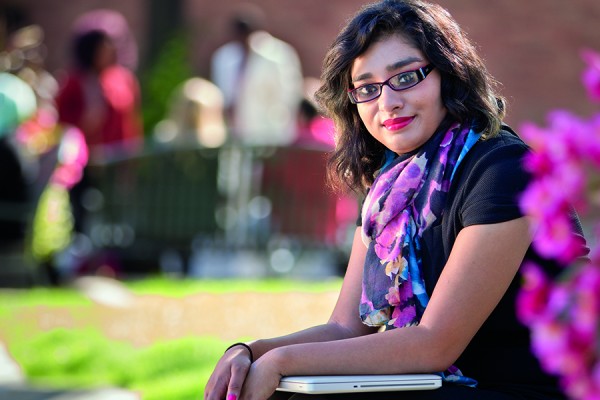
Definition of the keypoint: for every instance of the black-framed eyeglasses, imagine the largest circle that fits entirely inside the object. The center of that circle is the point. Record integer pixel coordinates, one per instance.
(402, 81)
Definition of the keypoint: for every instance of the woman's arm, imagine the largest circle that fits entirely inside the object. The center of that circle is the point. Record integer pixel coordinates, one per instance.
(344, 323)
(483, 262)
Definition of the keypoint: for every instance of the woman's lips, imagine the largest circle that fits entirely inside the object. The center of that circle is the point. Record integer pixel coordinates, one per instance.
(397, 123)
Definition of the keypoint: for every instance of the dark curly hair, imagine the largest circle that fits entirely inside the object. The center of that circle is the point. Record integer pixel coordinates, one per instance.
(468, 91)
(85, 47)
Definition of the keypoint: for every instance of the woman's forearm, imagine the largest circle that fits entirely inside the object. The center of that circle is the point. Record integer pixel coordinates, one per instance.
(378, 353)
(321, 333)
(472, 283)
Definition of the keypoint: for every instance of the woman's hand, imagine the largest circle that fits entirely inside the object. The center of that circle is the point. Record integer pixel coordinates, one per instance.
(229, 375)
(263, 377)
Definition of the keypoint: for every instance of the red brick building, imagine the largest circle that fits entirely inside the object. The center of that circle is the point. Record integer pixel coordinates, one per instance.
(532, 47)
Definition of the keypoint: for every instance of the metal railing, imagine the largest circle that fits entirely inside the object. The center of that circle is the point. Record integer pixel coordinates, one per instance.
(232, 199)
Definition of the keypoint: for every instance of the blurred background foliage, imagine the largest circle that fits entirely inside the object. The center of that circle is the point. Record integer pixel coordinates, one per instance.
(84, 357)
(176, 39)
(65, 358)
(170, 68)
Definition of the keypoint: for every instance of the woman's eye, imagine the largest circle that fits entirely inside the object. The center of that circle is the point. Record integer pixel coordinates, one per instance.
(403, 79)
(367, 90)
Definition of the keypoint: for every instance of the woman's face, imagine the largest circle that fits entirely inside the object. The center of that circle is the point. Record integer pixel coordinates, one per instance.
(106, 55)
(401, 120)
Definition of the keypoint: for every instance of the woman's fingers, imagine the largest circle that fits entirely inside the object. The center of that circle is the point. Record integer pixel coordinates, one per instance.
(238, 375)
(215, 390)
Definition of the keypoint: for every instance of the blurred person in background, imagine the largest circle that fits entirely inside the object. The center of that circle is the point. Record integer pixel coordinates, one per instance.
(261, 80)
(25, 57)
(17, 104)
(100, 95)
(314, 128)
(195, 116)
(433, 276)
(260, 77)
(38, 135)
(99, 92)
(40, 161)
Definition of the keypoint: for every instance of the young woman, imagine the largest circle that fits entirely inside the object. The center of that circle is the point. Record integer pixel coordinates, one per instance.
(433, 274)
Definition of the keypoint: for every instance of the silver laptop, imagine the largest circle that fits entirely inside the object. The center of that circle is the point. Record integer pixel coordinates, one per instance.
(359, 383)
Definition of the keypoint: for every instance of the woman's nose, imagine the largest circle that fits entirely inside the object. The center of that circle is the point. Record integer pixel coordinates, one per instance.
(390, 99)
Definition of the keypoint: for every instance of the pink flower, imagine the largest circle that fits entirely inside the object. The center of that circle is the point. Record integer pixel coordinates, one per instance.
(586, 308)
(555, 239)
(540, 163)
(563, 320)
(533, 135)
(595, 377)
(541, 199)
(549, 344)
(591, 75)
(533, 297)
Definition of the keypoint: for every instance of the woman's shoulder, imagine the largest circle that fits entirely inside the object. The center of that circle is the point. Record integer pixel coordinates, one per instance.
(494, 166)
(506, 137)
(505, 148)
(486, 186)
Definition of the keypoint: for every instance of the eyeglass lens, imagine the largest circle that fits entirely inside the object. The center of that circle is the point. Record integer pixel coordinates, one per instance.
(401, 81)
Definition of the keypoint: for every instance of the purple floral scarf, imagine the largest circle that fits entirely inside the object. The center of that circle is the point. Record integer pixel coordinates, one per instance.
(407, 197)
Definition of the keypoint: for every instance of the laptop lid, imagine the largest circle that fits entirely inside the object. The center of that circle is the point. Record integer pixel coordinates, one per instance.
(359, 383)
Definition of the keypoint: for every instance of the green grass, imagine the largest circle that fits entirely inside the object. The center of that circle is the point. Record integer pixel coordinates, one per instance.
(176, 369)
(83, 358)
(14, 328)
(58, 297)
(185, 287)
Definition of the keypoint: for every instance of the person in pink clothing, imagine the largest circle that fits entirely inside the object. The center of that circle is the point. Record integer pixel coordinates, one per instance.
(100, 97)
(99, 94)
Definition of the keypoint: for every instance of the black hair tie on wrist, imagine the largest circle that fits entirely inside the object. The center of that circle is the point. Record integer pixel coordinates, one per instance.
(246, 346)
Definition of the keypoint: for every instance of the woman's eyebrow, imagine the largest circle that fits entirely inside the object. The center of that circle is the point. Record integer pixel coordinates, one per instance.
(392, 67)
(361, 77)
(403, 63)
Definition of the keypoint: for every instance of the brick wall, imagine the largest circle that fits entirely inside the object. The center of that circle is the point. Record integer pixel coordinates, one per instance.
(531, 46)
(57, 16)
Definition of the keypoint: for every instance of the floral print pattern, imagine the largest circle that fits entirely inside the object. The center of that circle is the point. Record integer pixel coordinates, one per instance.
(407, 197)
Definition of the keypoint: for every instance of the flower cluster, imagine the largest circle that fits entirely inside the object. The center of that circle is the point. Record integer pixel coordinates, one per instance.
(563, 313)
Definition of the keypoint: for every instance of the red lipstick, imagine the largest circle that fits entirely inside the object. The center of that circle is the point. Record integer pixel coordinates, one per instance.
(395, 124)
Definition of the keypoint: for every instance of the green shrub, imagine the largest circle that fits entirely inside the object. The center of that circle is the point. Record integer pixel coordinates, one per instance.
(171, 67)
(84, 358)
(185, 287)
(183, 385)
(171, 357)
(75, 359)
